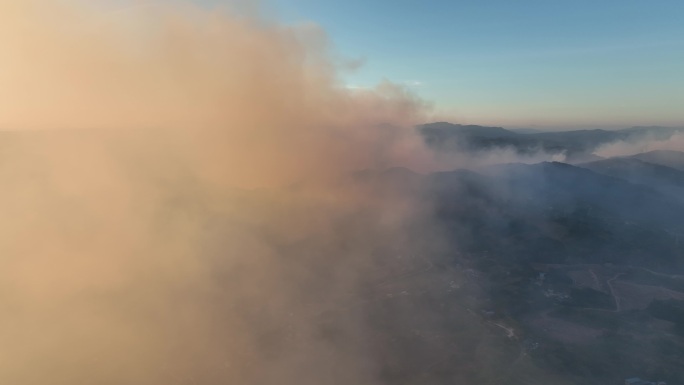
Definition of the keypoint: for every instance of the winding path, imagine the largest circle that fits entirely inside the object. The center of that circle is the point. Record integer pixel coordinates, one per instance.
(612, 291)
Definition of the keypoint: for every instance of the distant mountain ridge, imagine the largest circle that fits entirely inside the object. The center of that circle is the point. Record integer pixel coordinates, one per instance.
(444, 136)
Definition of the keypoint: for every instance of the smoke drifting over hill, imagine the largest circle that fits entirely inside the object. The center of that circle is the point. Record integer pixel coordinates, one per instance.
(632, 147)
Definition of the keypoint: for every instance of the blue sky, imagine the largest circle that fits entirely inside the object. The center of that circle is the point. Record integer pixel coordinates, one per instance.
(521, 62)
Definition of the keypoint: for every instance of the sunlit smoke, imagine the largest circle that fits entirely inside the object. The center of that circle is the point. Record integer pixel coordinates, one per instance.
(131, 251)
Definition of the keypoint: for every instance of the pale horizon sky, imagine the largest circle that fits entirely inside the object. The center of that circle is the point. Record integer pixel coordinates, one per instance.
(527, 63)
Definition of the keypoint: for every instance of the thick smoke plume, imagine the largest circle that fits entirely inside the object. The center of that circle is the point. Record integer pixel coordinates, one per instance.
(175, 208)
(238, 89)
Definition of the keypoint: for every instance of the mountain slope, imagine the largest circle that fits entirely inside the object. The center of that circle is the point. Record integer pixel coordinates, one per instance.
(662, 178)
(673, 159)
